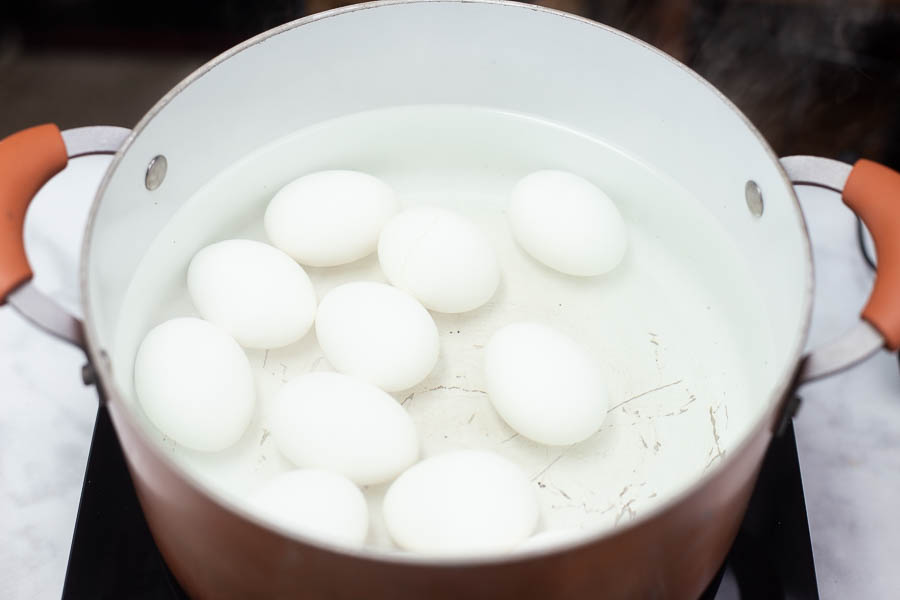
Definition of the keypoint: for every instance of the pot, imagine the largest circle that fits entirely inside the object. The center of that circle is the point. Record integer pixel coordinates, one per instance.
(519, 63)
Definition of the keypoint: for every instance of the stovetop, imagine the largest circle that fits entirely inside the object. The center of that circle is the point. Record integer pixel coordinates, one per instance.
(113, 554)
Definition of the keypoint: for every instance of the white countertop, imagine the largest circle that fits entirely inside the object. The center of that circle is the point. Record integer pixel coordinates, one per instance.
(848, 429)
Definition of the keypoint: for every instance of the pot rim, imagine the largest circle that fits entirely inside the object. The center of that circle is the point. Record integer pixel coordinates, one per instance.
(778, 394)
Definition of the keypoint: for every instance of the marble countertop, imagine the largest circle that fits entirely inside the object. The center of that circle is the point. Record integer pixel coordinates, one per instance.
(848, 429)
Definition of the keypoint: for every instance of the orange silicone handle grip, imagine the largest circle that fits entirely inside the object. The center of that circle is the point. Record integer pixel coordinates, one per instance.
(28, 159)
(873, 192)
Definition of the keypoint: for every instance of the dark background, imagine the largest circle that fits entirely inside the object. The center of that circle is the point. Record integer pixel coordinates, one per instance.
(816, 76)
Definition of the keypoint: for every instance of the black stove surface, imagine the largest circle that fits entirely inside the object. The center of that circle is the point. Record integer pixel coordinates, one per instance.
(113, 554)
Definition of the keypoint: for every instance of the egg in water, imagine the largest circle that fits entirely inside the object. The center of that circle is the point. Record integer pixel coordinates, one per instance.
(543, 384)
(439, 257)
(378, 333)
(330, 218)
(567, 223)
(464, 502)
(258, 294)
(336, 422)
(195, 384)
(316, 504)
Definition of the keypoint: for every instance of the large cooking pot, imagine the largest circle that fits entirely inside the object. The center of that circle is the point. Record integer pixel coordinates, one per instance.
(514, 58)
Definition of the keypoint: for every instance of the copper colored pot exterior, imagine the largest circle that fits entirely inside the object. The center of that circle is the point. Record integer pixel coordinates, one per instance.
(216, 554)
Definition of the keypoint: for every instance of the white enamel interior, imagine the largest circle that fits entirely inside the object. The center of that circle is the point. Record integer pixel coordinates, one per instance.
(708, 296)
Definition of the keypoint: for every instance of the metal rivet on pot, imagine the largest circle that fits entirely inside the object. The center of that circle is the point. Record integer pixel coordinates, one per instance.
(156, 172)
(88, 375)
(754, 198)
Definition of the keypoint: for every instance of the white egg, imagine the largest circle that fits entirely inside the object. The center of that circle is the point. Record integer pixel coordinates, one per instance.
(543, 384)
(258, 294)
(550, 539)
(317, 504)
(330, 218)
(378, 333)
(461, 503)
(194, 383)
(567, 223)
(336, 422)
(440, 258)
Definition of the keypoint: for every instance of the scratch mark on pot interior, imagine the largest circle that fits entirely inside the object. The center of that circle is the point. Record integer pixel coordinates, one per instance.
(265, 436)
(472, 418)
(547, 468)
(408, 398)
(719, 453)
(588, 510)
(642, 394)
(644, 442)
(265, 359)
(455, 388)
(625, 508)
(510, 438)
(559, 491)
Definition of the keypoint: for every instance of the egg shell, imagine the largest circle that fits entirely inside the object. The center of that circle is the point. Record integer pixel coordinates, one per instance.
(315, 504)
(439, 257)
(543, 384)
(567, 223)
(339, 423)
(258, 294)
(195, 384)
(378, 333)
(461, 503)
(330, 218)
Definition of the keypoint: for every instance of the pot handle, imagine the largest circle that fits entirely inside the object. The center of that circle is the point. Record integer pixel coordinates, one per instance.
(872, 191)
(28, 159)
